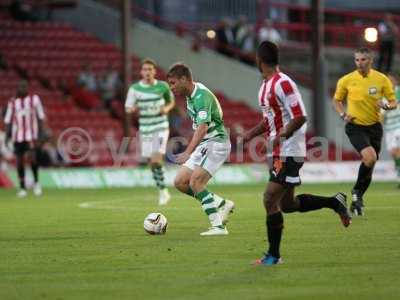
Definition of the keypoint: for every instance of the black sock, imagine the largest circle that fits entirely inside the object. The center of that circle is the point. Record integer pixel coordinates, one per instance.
(365, 185)
(21, 174)
(274, 229)
(35, 171)
(312, 202)
(363, 180)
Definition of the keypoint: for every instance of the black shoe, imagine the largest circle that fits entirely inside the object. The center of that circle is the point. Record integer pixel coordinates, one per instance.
(341, 209)
(357, 206)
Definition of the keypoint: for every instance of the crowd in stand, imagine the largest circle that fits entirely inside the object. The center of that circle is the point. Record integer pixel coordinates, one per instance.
(93, 92)
(240, 38)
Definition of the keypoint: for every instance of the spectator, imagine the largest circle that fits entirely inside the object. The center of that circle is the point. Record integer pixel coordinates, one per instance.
(87, 79)
(110, 84)
(388, 31)
(3, 64)
(48, 154)
(22, 11)
(225, 38)
(248, 45)
(239, 30)
(268, 33)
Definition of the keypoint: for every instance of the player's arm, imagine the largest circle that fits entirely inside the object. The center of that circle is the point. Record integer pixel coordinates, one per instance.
(294, 105)
(198, 135)
(338, 100)
(8, 133)
(40, 114)
(130, 102)
(389, 94)
(260, 128)
(202, 119)
(170, 101)
(292, 126)
(8, 122)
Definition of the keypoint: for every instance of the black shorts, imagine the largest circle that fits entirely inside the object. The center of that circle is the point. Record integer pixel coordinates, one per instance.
(361, 136)
(20, 148)
(285, 170)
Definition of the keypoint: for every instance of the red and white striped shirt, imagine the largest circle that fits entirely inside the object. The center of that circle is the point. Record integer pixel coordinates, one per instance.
(23, 115)
(280, 102)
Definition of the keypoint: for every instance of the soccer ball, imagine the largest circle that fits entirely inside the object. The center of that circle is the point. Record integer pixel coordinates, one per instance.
(155, 223)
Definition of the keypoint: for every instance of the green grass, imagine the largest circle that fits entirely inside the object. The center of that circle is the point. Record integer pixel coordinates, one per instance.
(50, 248)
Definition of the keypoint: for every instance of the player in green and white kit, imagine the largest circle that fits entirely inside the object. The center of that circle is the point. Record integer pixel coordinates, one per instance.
(154, 100)
(392, 127)
(207, 151)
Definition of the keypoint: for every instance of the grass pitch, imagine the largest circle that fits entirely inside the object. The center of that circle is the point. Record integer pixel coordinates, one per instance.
(90, 244)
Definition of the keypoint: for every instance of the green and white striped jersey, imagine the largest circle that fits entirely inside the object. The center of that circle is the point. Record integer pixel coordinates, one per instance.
(203, 107)
(392, 117)
(150, 99)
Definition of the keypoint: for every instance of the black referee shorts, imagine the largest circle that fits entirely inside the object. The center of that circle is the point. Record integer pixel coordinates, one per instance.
(361, 136)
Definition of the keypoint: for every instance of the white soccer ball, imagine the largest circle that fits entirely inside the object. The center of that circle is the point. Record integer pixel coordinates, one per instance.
(155, 223)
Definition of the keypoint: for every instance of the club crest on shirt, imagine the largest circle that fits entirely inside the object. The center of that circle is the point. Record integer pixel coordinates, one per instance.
(372, 91)
(202, 114)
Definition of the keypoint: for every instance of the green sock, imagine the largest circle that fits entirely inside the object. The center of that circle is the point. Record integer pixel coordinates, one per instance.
(158, 176)
(208, 204)
(219, 201)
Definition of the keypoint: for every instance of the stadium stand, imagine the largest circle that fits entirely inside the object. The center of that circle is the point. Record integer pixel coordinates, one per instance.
(51, 54)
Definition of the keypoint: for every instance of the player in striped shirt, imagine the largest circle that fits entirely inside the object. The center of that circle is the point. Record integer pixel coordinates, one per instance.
(392, 127)
(207, 151)
(154, 100)
(24, 122)
(284, 125)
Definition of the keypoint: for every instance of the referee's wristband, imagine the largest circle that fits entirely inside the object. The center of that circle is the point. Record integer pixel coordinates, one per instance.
(343, 115)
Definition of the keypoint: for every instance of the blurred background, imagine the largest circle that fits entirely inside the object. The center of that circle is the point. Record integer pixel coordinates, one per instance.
(80, 56)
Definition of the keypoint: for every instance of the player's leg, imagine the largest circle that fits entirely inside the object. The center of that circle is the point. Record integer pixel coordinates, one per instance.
(198, 184)
(33, 154)
(212, 157)
(283, 177)
(20, 150)
(273, 194)
(182, 183)
(369, 157)
(308, 202)
(153, 148)
(359, 137)
(157, 169)
(182, 180)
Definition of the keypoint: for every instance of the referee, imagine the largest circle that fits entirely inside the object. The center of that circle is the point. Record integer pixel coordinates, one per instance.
(366, 91)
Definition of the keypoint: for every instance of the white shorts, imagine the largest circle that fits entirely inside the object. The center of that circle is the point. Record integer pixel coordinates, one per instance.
(392, 139)
(210, 156)
(154, 143)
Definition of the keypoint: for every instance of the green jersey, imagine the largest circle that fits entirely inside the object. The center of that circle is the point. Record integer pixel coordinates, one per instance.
(392, 117)
(150, 99)
(203, 107)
